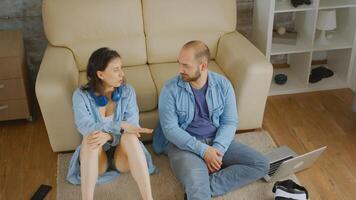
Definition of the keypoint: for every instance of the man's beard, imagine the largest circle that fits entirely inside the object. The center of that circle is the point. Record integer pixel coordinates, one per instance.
(187, 78)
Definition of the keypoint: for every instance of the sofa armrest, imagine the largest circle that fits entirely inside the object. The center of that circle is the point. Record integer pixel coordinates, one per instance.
(250, 73)
(56, 81)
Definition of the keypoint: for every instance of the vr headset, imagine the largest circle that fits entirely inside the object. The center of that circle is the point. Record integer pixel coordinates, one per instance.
(289, 190)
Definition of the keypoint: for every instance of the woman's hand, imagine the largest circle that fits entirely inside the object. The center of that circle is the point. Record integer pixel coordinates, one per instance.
(132, 129)
(98, 139)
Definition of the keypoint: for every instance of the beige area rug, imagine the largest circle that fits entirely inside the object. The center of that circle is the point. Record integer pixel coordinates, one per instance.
(164, 185)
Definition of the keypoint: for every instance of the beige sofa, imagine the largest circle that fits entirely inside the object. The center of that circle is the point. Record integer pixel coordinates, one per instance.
(148, 34)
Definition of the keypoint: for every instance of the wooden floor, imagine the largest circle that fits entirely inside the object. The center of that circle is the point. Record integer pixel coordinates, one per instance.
(307, 121)
(302, 121)
(26, 160)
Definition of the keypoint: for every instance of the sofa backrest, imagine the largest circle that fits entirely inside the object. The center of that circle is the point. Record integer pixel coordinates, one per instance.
(170, 24)
(86, 25)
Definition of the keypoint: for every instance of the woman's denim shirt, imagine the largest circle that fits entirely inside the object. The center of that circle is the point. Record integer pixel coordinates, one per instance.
(88, 119)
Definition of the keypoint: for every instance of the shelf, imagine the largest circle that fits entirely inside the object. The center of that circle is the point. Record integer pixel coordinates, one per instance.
(336, 42)
(303, 24)
(330, 4)
(293, 84)
(286, 6)
(300, 47)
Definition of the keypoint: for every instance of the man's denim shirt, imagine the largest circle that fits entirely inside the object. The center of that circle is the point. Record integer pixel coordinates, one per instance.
(176, 111)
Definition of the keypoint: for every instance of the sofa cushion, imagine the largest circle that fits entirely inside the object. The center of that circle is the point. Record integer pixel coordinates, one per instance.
(86, 25)
(185, 20)
(165, 71)
(140, 78)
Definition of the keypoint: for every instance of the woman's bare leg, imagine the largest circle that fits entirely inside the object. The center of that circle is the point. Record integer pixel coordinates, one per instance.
(92, 163)
(129, 156)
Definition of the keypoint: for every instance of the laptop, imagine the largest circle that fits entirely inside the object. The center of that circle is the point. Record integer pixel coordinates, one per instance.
(284, 162)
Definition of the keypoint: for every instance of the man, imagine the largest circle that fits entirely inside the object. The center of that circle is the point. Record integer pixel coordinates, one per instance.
(198, 120)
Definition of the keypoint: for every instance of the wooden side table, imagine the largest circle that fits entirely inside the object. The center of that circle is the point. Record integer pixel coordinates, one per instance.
(14, 99)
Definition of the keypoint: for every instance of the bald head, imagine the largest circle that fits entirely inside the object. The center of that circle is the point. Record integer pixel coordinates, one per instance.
(201, 50)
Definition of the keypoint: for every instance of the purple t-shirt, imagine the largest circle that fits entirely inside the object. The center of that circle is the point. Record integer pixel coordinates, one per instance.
(201, 126)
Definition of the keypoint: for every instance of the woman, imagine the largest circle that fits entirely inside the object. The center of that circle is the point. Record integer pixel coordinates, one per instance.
(106, 115)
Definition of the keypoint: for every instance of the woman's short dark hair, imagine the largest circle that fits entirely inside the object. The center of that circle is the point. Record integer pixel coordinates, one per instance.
(98, 61)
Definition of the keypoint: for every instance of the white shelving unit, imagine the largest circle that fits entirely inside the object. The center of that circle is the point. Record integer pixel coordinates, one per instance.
(339, 53)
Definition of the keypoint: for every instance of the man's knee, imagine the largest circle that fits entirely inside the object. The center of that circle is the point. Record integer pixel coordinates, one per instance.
(196, 183)
(192, 176)
(188, 167)
(257, 159)
(262, 164)
(186, 161)
(195, 176)
(192, 172)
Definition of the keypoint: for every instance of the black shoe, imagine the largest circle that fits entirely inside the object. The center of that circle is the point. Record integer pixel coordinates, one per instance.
(315, 77)
(319, 73)
(185, 196)
(325, 72)
(295, 3)
(308, 2)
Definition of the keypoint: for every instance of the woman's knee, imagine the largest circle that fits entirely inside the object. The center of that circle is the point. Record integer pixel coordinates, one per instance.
(128, 139)
(87, 150)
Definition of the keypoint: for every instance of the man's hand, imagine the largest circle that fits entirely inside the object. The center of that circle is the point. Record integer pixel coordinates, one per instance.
(98, 139)
(213, 159)
(132, 129)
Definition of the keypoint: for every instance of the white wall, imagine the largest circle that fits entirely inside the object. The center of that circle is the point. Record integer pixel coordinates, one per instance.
(353, 77)
(319, 55)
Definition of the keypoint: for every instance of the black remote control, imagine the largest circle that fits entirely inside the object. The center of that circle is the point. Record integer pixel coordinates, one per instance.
(41, 192)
